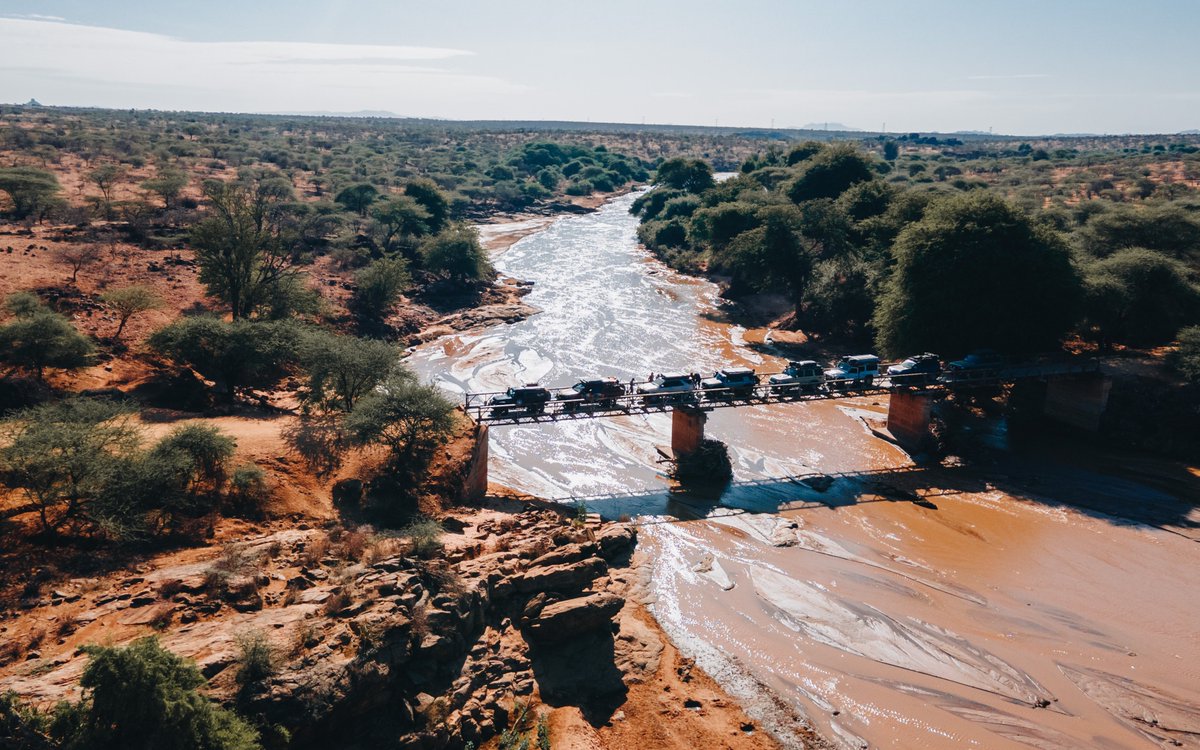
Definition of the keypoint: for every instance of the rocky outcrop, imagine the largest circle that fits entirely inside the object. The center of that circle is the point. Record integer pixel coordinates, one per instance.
(574, 617)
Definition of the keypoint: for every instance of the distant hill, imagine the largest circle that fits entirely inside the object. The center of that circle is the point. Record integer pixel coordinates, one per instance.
(1193, 131)
(359, 113)
(830, 126)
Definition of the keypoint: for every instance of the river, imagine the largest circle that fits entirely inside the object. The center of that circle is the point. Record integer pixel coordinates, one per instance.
(836, 583)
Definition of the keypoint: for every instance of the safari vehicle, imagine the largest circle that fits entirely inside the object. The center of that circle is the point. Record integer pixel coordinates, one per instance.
(668, 388)
(982, 364)
(601, 392)
(857, 371)
(730, 382)
(799, 376)
(920, 369)
(523, 400)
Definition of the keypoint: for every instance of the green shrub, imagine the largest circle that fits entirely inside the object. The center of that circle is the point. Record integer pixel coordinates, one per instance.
(457, 254)
(256, 661)
(424, 537)
(248, 487)
(234, 355)
(143, 696)
(341, 369)
(377, 288)
(39, 338)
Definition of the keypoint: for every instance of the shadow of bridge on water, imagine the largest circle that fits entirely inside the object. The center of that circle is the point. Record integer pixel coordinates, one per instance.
(1121, 501)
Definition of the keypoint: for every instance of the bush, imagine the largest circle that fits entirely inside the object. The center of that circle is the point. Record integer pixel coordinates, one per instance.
(39, 338)
(234, 355)
(456, 254)
(341, 369)
(408, 417)
(65, 456)
(424, 537)
(248, 488)
(378, 287)
(143, 696)
(256, 662)
(206, 450)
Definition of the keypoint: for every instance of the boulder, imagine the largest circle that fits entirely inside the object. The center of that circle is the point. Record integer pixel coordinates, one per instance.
(616, 540)
(573, 617)
(568, 553)
(570, 578)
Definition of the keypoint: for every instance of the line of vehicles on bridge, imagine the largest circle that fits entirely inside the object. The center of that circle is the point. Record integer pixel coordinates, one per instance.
(737, 383)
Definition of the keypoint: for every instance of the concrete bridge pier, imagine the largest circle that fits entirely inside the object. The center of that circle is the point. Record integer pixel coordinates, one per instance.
(909, 416)
(687, 430)
(476, 482)
(1078, 401)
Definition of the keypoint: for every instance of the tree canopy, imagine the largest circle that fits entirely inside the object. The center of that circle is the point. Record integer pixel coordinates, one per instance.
(976, 272)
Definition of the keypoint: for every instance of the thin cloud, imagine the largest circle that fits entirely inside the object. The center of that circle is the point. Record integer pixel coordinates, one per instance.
(38, 17)
(1007, 76)
(73, 63)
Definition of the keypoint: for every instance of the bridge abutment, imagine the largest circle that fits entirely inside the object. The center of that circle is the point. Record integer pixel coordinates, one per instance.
(909, 416)
(476, 482)
(1078, 401)
(687, 430)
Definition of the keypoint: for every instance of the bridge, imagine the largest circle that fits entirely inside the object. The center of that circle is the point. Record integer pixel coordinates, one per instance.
(1076, 395)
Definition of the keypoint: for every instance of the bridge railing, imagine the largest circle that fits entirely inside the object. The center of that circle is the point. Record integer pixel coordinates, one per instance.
(564, 402)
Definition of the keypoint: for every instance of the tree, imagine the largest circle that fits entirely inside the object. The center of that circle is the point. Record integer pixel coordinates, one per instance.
(129, 301)
(341, 369)
(378, 287)
(1139, 297)
(977, 272)
(234, 355)
(404, 415)
(167, 184)
(78, 257)
(143, 696)
(105, 177)
(891, 150)
(772, 255)
(432, 200)
(39, 338)
(357, 198)
(691, 175)
(31, 190)
(239, 247)
(457, 254)
(1169, 229)
(830, 173)
(803, 152)
(63, 455)
(398, 220)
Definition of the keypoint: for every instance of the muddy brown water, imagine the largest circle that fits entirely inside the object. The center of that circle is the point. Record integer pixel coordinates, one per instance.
(835, 582)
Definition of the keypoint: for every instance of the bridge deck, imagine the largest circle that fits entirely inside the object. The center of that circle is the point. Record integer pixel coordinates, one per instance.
(631, 402)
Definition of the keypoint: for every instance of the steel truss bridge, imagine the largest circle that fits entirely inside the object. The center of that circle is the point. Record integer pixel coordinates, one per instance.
(631, 402)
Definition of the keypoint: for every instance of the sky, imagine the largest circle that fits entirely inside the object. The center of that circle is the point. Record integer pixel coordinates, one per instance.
(1017, 67)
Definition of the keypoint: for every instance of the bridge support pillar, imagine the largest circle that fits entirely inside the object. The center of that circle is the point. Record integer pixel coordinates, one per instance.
(476, 482)
(1077, 401)
(687, 430)
(909, 415)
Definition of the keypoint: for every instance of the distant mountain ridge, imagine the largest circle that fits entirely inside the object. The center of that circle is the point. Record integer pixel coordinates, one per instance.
(829, 126)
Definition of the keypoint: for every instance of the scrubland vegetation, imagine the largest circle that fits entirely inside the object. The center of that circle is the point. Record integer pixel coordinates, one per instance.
(949, 247)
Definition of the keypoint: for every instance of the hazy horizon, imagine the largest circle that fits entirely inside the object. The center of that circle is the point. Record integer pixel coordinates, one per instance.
(930, 66)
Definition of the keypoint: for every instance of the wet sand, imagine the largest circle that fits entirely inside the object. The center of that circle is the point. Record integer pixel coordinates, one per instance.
(1004, 606)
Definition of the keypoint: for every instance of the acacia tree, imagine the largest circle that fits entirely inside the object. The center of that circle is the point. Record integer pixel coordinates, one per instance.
(32, 191)
(238, 246)
(105, 177)
(977, 272)
(78, 257)
(64, 455)
(167, 184)
(129, 301)
(404, 415)
(40, 338)
(398, 221)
